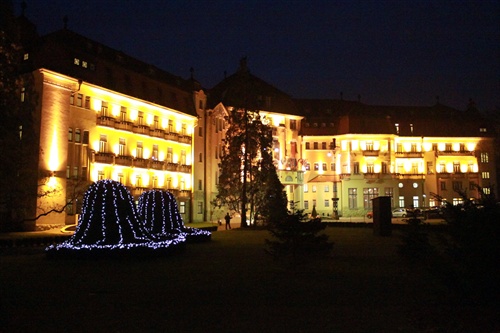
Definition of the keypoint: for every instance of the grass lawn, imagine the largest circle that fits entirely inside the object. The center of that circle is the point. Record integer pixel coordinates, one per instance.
(231, 285)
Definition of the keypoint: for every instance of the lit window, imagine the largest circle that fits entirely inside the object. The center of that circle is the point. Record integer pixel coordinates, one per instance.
(485, 174)
(84, 64)
(70, 135)
(76, 61)
(484, 158)
(26, 56)
(77, 135)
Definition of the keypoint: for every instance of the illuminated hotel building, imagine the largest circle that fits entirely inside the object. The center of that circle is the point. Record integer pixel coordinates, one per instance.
(355, 152)
(104, 115)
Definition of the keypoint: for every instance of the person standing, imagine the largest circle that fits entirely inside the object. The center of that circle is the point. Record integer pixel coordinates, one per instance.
(228, 221)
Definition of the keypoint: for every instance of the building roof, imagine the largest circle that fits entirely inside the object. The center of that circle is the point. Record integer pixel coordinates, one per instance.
(245, 90)
(112, 69)
(337, 117)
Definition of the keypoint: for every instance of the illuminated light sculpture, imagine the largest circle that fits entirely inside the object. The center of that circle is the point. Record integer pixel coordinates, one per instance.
(160, 215)
(110, 226)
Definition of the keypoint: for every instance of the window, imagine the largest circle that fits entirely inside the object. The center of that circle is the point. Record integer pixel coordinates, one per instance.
(416, 202)
(184, 129)
(182, 207)
(456, 167)
(368, 194)
(327, 188)
(72, 99)
(457, 185)
(316, 145)
(370, 168)
(77, 135)
(355, 168)
(323, 145)
(120, 178)
(183, 157)
(308, 145)
(306, 188)
(70, 135)
(156, 123)
(385, 168)
(485, 175)
(443, 186)
(486, 190)
(26, 56)
(85, 140)
(79, 99)
(87, 102)
(76, 61)
(324, 167)
(308, 166)
(69, 207)
(200, 207)
(200, 185)
(169, 155)
(103, 141)
(121, 147)
(293, 124)
(332, 166)
(170, 126)
(100, 175)
(200, 131)
(353, 198)
(139, 150)
(68, 171)
(306, 204)
(140, 118)
(314, 189)
(401, 201)
(23, 94)
(327, 203)
(84, 64)
(123, 114)
(430, 168)
(316, 166)
(155, 153)
(201, 157)
(484, 158)
(75, 172)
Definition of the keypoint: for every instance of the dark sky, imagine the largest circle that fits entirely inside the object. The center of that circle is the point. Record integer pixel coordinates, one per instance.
(388, 52)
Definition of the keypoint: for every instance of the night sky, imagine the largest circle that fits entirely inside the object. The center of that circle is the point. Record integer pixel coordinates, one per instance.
(387, 52)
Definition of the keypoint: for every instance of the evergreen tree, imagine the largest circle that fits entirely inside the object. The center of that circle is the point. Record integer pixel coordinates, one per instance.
(248, 175)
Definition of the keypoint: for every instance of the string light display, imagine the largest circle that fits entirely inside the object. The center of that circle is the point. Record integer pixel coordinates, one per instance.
(109, 224)
(160, 215)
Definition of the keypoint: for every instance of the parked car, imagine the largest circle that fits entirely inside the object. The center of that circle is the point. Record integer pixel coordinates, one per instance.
(369, 215)
(433, 213)
(399, 212)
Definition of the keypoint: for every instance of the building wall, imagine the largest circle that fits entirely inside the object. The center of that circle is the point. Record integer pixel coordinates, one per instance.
(90, 133)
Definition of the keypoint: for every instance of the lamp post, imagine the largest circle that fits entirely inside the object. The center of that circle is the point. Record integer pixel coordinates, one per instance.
(335, 199)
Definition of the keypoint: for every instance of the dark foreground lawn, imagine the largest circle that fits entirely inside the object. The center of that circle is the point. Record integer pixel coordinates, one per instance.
(231, 285)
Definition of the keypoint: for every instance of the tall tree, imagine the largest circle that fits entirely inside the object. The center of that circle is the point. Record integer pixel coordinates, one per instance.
(248, 176)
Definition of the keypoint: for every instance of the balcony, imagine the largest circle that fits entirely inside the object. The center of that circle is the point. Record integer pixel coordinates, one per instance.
(124, 125)
(371, 152)
(123, 160)
(141, 129)
(184, 139)
(345, 176)
(409, 154)
(411, 175)
(157, 133)
(454, 153)
(106, 121)
(371, 175)
(169, 166)
(107, 158)
(157, 165)
(184, 168)
(183, 193)
(140, 163)
(171, 136)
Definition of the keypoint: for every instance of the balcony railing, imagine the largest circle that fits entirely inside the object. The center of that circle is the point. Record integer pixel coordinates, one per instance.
(410, 154)
(124, 160)
(100, 157)
(454, 153)
(142, 129)
(371, 152)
